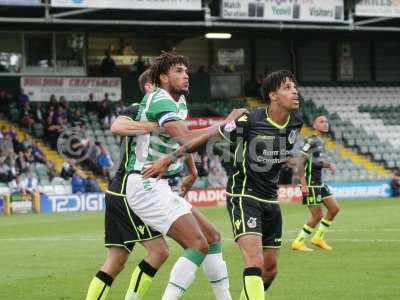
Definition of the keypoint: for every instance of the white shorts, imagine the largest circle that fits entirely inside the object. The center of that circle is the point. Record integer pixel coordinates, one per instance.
(154, 202)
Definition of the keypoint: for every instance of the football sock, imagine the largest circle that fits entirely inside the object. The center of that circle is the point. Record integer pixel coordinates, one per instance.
(183, 273)
(140, 282)
(215, 269)
(99, 286)
(323, 226)
(253, 287)
(304, 233)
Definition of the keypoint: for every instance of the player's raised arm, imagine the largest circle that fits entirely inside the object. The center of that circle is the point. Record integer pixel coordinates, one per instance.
(126, 126)
(161, 166)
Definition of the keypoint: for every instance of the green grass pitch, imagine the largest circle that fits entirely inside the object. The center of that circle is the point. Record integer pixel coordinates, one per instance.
(55, 256)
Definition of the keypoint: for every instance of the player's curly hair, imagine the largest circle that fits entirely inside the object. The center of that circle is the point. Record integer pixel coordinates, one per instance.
(164, 62)
(274, 80)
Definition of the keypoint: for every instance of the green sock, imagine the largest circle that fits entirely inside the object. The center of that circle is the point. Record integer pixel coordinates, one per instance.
(140, 282)
(253, 286)
(323, 226)
(304, 233)
(99, 286)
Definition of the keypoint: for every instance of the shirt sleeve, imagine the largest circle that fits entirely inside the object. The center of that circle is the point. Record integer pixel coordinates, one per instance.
(163, 110)
(307, 147)
(235, 129)
(131, 112)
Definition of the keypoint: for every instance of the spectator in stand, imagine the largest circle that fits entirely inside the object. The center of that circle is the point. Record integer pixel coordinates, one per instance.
(17, 185)
(38, 154)
(22, 98)
(78, 183)
(91, 185)
(54, 131)
(27, 117)
(63, 113)
(38, 113)
(27, 142)
(21, 163)
(13, 171)
(31, 184)
(53, 103)
(108, 66)
(104, 161)
(395, 184)
(91, 105)
(77, 120)
(6, 143)
(68, 169)
(119, 107)
(30, 159)
(91, 160)
(64, 103)
(139, 65)
(106, 111)
(4, 169)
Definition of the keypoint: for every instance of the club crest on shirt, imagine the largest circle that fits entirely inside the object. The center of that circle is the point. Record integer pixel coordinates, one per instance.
(292, 136)
(252, 222)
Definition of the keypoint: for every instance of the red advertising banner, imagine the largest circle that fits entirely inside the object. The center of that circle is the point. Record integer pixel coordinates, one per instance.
(206, 197)
(289, 193)
(198, 123)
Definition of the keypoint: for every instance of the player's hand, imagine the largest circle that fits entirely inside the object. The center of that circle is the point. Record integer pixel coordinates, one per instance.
(304, 190)
(159, 167)
(187, 184)
(236, 113)
(332, 167)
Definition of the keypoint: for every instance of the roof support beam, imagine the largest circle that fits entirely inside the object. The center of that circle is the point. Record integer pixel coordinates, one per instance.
(371, 21)
(75, 12)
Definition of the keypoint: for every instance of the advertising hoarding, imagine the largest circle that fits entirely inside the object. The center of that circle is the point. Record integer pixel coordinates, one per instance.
(368, 8)
(72, 88)
(284, 10)
(131, 4)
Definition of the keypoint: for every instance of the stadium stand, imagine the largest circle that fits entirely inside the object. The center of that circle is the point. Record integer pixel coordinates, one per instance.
(363, 118)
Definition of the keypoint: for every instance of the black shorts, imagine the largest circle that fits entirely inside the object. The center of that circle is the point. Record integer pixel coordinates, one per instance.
(122, 227)
(249, 216)
(316, 195)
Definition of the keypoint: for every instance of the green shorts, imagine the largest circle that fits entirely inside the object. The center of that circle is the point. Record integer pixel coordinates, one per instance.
(316, 195)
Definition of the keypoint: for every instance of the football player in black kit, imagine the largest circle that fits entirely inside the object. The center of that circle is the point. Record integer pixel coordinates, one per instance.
(315, 191)
(260, 142)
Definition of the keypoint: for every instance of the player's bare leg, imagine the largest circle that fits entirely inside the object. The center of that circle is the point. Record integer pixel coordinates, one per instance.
(114, 264)
(270, 269)
(253, 286)
(308, 228)
(142, 276)
(333, 209)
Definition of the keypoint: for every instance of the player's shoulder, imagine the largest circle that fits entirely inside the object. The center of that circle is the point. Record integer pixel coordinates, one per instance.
(296, 120)
(256, 114)
(159, 95)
